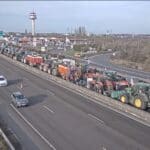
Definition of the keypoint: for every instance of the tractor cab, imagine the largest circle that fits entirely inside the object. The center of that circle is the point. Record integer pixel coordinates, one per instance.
(142, 87)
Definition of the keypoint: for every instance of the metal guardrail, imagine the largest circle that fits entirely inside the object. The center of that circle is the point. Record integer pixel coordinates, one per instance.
(6, 140)
(106, 101)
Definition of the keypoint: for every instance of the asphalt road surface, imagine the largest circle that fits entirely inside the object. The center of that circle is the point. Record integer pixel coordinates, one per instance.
(58, 119)
(104, 60)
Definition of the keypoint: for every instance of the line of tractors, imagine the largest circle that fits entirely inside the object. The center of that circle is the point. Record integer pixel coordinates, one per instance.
(104, 82)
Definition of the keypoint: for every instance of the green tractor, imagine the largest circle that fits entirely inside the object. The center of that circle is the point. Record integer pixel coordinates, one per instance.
(137, 95)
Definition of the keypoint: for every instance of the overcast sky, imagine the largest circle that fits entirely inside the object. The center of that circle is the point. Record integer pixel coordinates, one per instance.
(61, 16)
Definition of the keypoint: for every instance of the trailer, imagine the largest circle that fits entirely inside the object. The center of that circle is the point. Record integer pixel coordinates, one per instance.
(33, 60)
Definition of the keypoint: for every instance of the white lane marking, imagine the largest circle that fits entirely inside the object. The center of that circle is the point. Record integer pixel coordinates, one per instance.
(50, 110)
(24, 78)
(134, 114)
(50, 92)
(35, 130)
(104, 148)
(18, 87)
(94, 117)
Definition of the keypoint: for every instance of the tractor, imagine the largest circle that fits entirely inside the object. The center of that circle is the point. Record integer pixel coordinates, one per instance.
(46, 66)
(138, 95)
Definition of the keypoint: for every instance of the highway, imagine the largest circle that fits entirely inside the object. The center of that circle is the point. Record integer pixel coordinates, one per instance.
(104, 60)
(58, 119)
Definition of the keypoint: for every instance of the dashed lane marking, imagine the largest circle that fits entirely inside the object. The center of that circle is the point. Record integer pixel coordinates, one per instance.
(35, 130)
(47, 108)
(94, 117)
(50, 92)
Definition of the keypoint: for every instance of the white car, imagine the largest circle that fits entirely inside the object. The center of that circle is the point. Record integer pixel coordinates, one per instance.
(3, 81)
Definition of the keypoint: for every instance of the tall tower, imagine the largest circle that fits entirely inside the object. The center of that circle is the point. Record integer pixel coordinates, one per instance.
(32, 17)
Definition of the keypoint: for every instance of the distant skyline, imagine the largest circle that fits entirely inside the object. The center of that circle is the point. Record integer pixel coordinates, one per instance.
(62, 16)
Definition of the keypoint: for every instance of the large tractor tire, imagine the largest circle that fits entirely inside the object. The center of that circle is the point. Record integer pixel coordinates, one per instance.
(124, 98)
(140, 101)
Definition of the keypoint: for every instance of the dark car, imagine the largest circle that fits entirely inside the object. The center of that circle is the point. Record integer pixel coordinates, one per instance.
(19, 100)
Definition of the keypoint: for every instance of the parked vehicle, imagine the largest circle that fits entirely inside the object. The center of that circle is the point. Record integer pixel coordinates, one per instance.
(33, 60)
(11, 52)
(46, 66)
(3, 81)
(54, 69)
(19, 55)
(137, 95)
(103, 81)
(19, 100)
(63, 71)
(119, 82)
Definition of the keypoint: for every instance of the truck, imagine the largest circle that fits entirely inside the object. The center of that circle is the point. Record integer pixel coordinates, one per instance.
(63, 71)
(19, 55)
(46, 66)
(33, 60)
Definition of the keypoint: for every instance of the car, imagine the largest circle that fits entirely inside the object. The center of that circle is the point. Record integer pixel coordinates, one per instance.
(19, 100)
(3, 81)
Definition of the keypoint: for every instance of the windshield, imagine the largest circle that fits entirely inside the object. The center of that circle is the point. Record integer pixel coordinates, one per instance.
(20, 96)
(2, 79)
(122, 87)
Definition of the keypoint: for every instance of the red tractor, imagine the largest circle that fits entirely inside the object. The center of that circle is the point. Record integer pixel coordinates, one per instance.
(120, 83)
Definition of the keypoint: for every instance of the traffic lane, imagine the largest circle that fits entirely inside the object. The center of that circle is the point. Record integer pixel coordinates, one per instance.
(33, 97)
(25, 142)
(28, 91)
(119, 69)
(116, 121)
(45, 123)
(129, 73)
(60, 96)
(64, 144)
(37, 138)
(67, 127)
(40, 84)
(44, 84)
(27, 136)
(105, 60)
